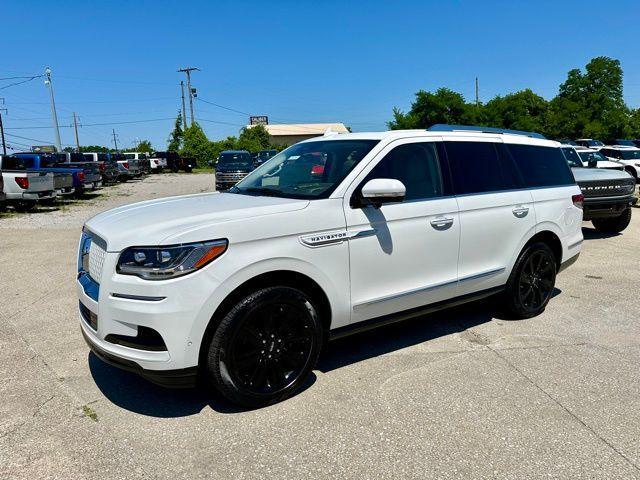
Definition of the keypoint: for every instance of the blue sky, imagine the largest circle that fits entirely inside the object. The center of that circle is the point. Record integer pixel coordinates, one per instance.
(351, 62)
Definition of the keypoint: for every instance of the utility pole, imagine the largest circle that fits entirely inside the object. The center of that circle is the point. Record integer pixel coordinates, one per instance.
(184, 110)
(75, 126)
(115, 138)
(4, 145)
(54, 115)
(477, 96)
(188, 71)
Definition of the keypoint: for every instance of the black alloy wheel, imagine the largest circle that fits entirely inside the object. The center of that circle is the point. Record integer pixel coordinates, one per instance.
(531, 283)
(265, 347)
(537, 280)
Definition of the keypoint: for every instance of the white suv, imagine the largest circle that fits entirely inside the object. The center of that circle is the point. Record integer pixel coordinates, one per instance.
(332, 236)
(629, 157)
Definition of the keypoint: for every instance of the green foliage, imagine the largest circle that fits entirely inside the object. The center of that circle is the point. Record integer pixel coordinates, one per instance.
(588, 104)
(197, 145)
(253, 139)
(443, 106)
(95, 148)
(177, 136)
(144, 146)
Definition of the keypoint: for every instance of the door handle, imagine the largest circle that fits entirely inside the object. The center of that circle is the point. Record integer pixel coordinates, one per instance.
(520, 211)
(442, 223)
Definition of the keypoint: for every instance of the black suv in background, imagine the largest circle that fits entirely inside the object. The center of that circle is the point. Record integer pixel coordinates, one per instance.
(231, 167)
(264, 155)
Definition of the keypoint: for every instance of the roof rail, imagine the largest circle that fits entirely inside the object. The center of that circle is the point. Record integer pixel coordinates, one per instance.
(441, 127)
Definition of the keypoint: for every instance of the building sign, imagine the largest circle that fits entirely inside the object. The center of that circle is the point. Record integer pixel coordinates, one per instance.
(43, 149)
(259, 120)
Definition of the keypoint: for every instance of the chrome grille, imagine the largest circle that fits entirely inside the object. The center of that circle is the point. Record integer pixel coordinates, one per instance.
(96, 261)
(231, 177)
(607, 188)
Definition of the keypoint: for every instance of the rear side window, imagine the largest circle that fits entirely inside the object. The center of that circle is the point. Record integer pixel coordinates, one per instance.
(541, 166)
(416, 165)
(610, 153)
(478, 167)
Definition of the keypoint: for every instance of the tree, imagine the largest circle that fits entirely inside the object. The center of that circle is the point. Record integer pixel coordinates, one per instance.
(522, 110)
(253, 139)
(443, 106)
(143, 146)
(197, 145)
(94, 148)
(177, 136)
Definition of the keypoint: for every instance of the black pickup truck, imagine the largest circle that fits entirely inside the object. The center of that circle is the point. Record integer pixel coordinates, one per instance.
(608, 194)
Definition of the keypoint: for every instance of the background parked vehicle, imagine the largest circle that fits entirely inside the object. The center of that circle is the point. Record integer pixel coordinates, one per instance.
(24, 188)
(589, 142)
(608, 194)
(627, 156)
(595, 159)
(158, 161)
(131, 165)
(142, 160)
(231, 167)
(176, 163)
(66, 180)
(263, 155)
(108, 169)
(3, 196)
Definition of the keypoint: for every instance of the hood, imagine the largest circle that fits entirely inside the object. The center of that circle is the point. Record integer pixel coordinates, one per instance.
(155, 222)
(598, 174)
(609, 164)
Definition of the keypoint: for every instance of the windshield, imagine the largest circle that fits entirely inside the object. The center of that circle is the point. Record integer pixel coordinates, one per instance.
(630, 154)
(592, 156)
(572, 157)
(595, 143)
(235, 160)
(306, 170)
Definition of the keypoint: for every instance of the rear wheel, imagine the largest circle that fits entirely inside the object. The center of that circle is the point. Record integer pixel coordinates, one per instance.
(614, 224)
(531, 282)
(265, 347)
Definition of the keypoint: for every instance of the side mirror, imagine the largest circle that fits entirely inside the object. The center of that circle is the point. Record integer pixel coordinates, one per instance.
(593, 163)
(379, 191)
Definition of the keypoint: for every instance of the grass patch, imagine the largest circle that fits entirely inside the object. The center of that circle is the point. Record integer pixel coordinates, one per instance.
(203, 170)
(87, 411)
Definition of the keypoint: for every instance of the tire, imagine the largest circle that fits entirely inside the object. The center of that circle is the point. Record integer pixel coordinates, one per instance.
(531, 282)
(614, 224)
(188, 170)
(264, 349)
(24, 206)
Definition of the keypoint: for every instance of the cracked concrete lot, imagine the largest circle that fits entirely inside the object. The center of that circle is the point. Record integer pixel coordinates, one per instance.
(459, 394)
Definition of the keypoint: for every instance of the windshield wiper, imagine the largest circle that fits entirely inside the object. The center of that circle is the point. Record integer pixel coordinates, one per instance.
(270, 192)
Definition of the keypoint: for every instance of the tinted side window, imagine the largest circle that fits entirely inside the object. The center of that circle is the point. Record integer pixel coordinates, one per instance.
(541, 166)
(478, 167)
(416, 165)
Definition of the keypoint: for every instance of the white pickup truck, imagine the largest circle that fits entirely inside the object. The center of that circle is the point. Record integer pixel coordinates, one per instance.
(24, 188)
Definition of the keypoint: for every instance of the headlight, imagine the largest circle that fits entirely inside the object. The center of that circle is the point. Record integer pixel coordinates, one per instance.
(161, 263)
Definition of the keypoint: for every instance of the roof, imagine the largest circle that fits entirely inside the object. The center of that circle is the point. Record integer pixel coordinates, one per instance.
(621, 147)
(303, 128)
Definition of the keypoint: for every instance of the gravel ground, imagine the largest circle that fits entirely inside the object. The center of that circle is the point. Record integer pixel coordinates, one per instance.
(73, 213)
(460, 394)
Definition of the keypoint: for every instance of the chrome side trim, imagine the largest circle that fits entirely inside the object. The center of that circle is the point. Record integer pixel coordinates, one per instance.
(579, 242)
(142, 298)
(430, 287)
(333, 237)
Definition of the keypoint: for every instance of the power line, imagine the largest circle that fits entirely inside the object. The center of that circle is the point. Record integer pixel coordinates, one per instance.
(96, 124)
(28, 79)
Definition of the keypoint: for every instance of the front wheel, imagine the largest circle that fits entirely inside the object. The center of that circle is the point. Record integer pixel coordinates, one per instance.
(531, 283)
(264, 349)
(614, 224)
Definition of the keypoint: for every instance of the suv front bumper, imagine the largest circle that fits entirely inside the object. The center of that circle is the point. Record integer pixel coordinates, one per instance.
(606, 207)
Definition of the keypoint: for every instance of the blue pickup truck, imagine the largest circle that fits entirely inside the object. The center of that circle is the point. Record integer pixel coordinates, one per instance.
(36, 161)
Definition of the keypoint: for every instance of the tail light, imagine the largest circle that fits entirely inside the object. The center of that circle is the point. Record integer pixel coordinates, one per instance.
(23, 182)
(102, 167)
(81, 176)
(317, 170)
(578, 201)
(126, 164)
